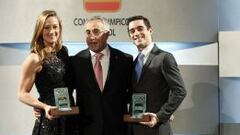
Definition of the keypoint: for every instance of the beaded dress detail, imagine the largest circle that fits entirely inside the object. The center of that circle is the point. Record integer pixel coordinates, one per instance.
(54, 74)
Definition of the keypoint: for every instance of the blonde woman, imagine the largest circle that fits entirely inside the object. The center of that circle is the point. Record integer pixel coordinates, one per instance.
(46, 67)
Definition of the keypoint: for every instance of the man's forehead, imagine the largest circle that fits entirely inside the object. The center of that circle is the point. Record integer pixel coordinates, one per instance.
(94, 23)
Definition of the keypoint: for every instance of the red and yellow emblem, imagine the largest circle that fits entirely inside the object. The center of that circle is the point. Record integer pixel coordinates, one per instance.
(102, 5)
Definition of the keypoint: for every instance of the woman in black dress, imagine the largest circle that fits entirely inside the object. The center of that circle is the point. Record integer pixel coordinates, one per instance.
(46, 67)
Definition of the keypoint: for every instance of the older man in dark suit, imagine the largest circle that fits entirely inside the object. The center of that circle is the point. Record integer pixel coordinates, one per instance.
(102, 76)
(157, 75)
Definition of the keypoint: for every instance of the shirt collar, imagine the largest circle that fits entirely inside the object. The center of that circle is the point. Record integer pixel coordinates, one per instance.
(146, 51)
(105, 52)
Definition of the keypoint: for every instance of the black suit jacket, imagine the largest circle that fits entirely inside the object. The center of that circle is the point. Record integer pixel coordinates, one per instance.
(101, 113)
(163, 84)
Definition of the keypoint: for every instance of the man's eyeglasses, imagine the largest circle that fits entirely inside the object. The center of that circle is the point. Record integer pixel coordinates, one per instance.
(94, 32)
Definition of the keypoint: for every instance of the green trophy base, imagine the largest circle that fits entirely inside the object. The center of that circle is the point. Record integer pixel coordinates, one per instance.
(56, 112)
(129, 118)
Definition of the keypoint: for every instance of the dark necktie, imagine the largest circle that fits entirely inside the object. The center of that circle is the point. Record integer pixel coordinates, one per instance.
(98, 70)
(139, 65)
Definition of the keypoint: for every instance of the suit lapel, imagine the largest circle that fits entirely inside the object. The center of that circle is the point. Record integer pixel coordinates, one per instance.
(149, 59)
(112, 63)
(89, 69)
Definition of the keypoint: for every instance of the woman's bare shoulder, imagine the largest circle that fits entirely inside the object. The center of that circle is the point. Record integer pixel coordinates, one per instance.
(32, 61)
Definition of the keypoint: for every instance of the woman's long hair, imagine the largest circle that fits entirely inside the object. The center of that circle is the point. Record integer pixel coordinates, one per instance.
(37, 44)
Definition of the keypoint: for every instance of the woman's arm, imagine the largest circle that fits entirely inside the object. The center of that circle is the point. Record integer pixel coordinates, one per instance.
(30, 67)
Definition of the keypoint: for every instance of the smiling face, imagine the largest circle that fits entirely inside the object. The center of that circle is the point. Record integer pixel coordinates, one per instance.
(96, 35)
(140, 34)
(51, 31)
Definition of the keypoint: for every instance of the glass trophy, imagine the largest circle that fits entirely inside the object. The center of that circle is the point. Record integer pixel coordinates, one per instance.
(138, 105)
(62, 99)
(138, 108)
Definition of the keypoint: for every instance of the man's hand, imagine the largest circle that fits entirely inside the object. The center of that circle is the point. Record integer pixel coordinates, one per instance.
(153, 120)
(171, 118)
(37, 112)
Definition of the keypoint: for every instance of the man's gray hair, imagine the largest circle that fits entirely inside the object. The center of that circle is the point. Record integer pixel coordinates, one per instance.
(103, 20)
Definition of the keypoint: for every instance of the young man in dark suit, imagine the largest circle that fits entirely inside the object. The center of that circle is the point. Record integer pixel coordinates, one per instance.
(102, 77)
(158, 77)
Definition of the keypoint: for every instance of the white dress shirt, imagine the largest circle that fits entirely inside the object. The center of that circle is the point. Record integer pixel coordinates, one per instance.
(146, 51)
(104, 62)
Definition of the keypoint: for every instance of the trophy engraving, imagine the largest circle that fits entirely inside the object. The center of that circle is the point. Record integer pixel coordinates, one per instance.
(137, 108)
(62, 99)
(138, 105)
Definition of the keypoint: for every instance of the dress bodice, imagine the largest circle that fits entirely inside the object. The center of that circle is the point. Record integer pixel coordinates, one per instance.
(53, 75)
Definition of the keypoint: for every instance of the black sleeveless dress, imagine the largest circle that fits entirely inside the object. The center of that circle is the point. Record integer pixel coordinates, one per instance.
(55, 73)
